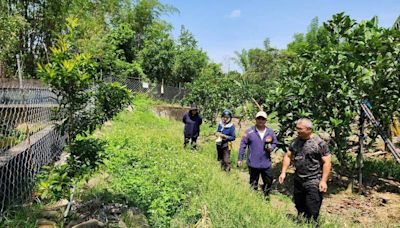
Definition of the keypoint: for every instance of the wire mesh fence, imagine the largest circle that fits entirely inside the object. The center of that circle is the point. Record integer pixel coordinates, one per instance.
(158, 91)
(28, 138)
(24, 110)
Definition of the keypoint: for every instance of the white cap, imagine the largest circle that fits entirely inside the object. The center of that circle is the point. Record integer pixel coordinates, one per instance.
(261, 114)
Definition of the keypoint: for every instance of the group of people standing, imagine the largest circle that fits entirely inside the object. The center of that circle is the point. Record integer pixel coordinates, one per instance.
(309, 153)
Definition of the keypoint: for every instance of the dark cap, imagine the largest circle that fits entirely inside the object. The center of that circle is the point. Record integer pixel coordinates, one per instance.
(193, 106)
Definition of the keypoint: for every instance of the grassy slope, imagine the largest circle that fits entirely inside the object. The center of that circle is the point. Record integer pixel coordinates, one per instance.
(178, 187)
(174, 187)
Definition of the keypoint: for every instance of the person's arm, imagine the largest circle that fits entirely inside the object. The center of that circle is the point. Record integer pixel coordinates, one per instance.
(285, 166)
(326, 168)
(230, 136)
(184, 118)
(217, 132)
(200, 120)
(243, 144)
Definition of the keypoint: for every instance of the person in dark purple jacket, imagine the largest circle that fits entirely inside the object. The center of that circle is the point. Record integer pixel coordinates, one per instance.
(260, 141)
(192, 121)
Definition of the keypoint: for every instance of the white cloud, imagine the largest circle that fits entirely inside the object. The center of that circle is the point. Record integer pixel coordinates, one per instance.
(234, 14)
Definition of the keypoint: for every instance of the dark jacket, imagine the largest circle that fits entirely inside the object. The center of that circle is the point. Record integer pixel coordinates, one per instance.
(257, 157)
(228, 130)
(307, 157)
(192, 125)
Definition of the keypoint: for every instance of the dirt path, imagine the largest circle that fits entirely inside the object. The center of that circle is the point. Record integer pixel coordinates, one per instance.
(374, 209)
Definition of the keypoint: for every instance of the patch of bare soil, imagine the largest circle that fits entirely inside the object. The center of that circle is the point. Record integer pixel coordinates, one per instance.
(371, 209)
(377, 206)
(377, 209)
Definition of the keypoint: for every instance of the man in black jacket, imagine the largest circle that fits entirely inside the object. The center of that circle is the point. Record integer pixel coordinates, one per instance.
(192, 121)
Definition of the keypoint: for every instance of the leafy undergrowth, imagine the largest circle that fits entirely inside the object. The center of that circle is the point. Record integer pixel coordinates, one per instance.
(148, 169)
(20, 216)
(175, 187)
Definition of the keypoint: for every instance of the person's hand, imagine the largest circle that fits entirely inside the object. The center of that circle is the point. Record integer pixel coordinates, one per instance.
(323, 187)
(239, 163)
(282, 178)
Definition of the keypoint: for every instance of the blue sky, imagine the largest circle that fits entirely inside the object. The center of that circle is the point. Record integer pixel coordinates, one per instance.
(224, 26)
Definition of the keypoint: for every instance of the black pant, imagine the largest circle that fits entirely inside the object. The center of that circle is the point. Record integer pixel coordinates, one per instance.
(224, 156)
(193, 143)
(266, 176)
(307, 198)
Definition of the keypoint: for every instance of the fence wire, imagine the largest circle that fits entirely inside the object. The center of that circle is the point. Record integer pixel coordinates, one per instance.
(28, 138)
(157, 91)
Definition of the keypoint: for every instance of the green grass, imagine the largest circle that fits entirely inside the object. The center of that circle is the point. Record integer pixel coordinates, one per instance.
(174, 187)
(20, 216)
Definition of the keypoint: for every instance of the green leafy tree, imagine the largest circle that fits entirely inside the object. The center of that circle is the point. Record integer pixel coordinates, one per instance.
(258, 64)
(242, 59)
(11, 26)
(158, 55)
(327, 81)
(315, 36)
(189, 60)
(84, 102)
(36, 23)
(70, 78)
(261, 68)
(215, 91)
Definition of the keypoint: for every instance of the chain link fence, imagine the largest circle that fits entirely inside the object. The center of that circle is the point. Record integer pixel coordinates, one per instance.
(28, 138)
(168, 93)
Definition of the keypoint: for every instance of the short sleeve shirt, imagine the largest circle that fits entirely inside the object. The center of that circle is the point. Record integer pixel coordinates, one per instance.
(307, 156)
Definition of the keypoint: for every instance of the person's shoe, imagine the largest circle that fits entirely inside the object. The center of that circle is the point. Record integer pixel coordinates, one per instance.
(194, 145)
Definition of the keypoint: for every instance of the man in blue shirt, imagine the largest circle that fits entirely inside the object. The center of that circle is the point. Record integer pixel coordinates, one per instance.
(260, 141)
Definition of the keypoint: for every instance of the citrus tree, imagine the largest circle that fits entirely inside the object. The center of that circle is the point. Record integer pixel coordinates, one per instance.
(326, 81)
(215, 91)
(84, 101)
